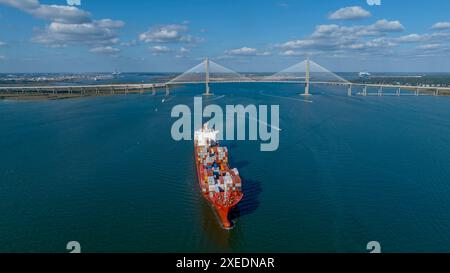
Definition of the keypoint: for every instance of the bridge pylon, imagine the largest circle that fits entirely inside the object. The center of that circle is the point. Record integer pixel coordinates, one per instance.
(167, 90)
(207, 93)
(307, 78)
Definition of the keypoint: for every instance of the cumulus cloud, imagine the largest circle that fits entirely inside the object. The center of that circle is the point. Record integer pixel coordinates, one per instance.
(74, 2)
(175, 33)
(387, 26)
(433, 49)
(159, 49)
(243, 51)
(430, 46)
(183, 52)
(379, 38)
(441, 26)
(337, 39)
(67, 14)
(350, 13)
(92, 33)
(416, 38)
(412, 38)
(111, 24)
(247, 51)
(22, 4)
(332, 35)
(63, 14)
(291, 53)
(105, 50)
(69, 25)
(2, 43)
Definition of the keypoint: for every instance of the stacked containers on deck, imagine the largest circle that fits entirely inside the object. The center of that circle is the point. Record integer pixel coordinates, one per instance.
(238, 184)
(228, 181)
(222, 154)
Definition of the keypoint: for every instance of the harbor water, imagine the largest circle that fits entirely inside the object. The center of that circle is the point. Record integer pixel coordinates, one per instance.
(105, 171)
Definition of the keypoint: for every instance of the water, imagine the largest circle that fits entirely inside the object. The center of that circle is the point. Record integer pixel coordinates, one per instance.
(105, 172)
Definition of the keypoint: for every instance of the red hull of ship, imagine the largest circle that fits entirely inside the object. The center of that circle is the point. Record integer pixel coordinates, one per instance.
(216, 201)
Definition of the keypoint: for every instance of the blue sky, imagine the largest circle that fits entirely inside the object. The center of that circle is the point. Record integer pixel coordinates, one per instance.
(245, 35)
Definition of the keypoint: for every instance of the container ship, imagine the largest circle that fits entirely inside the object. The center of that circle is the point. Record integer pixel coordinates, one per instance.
(220, 185)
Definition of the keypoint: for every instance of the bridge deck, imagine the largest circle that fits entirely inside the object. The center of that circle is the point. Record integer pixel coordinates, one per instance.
(131, 87)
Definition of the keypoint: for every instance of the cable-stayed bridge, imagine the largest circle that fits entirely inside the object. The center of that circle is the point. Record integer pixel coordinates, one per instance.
(305, 73)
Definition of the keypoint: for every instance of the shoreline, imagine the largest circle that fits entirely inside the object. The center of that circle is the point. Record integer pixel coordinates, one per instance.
(50, 96)
(42, 97)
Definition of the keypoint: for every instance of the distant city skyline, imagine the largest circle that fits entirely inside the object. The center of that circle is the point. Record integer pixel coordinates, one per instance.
(246, 36)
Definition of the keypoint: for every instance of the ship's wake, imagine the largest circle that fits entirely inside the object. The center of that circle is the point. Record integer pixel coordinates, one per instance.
(282, 97)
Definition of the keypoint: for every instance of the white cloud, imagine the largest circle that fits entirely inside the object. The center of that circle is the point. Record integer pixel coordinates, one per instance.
(168, 34)
(291, 53)
(243, 51)
(411, 38)
(441, 26)
(350, 13)
(381, 27)
(87, 33)
(63, 14)
(338, 39)
(105, 50)
(111, 24)
(21, 4)
(247, 51)
(2, 57)
(74, 2)
(67, 14)
(2, 43)
(68, 25)
(388, 26)
(430, 46)
(158, 49)
(183, 52)
(416, 38)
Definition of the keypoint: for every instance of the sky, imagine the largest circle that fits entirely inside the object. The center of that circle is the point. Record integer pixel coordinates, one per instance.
(243, 35)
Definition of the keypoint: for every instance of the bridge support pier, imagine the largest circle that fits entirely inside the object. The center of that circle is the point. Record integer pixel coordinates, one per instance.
(207, 87)
(153, 90)
(349, 92)
(365, 91)
(417, 92)
(167, 91)
(380, 91)
(307, 78)
(437, 92)
(399, 91)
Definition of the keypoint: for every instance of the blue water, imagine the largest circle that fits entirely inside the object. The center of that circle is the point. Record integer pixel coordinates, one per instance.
(105, 172)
